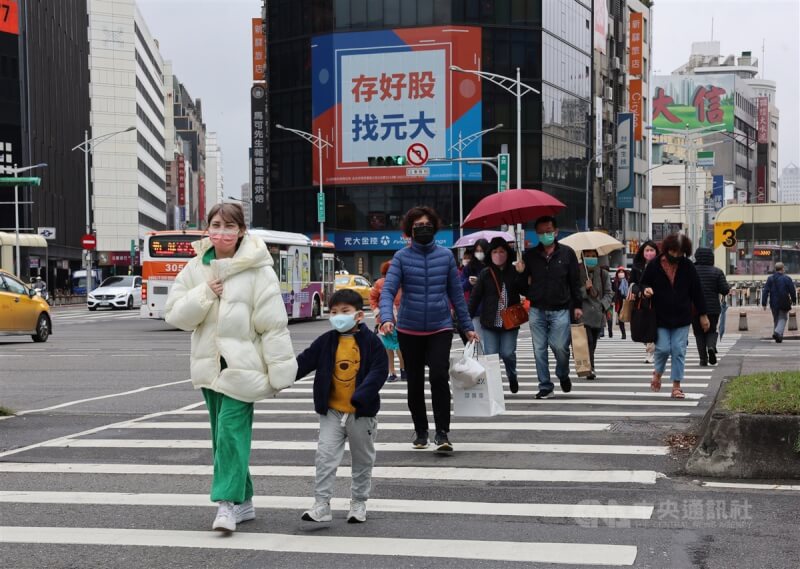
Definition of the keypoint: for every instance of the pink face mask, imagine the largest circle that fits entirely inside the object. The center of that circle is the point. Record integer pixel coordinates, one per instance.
(649, 255)
(224, 237)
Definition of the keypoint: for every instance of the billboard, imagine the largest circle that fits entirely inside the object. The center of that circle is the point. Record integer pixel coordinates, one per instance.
(637, 107)
(626, 188)
(763, 120)
(600, 25)
(693, 101)
(378, 94)
(181, 180)
(718, 192)
(258, 136)
(259, 49)
(635, 32)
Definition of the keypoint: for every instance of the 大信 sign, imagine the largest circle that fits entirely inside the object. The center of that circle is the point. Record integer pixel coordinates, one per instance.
(377, 94)
(693, 101)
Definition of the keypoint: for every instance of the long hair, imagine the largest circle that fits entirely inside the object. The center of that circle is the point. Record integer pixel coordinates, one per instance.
(639, 259)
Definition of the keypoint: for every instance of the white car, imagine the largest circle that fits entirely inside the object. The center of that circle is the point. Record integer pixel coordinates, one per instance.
(117, 292)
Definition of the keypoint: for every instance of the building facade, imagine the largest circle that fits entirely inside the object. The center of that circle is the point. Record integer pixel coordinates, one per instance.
(790, 184)
(215, 182)
(127, 90)
(247, 203)
(550, 42)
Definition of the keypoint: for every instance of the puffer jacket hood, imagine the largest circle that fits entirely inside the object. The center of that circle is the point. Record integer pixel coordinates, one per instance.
(704, 256)
(247, 326)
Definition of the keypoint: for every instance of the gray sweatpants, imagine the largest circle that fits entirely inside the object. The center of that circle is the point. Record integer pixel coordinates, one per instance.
(334, 429)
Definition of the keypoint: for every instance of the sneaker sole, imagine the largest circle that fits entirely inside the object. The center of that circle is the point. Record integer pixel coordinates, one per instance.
(355, 520)
(224, 529)
(444, 448)
(307, 517)
(416, 446)
(548, 396)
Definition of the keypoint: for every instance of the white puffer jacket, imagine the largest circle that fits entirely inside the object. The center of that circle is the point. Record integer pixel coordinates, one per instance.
(247, 326)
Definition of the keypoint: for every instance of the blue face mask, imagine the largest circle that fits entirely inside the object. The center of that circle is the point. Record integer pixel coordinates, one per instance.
(590, 262)
(343, 322)
(547, 239)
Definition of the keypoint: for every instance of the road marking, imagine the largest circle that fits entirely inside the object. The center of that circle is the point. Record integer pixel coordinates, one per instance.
(507, 413)
(551, 553)
(388, 472)
(560, 399)
(640, 450)
(746, 486)
(565, 427)
(599, 511)
(79, 401)
(575, 391)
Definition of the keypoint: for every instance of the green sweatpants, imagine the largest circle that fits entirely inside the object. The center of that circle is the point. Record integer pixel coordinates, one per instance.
(231, 434)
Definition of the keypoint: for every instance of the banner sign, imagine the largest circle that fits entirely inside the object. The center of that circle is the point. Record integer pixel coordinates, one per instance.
(374, 94)
(693, 101)
(259, 50)
(763, 120)
(382, 240)
(761, 184)
(600, 25)
(637, 108)
(718, 192)
(201, 201)
(181, 180)
(705, 158)
(625, 181)
(258, 133)
(9, 17)
(636, 31)
(598, 134)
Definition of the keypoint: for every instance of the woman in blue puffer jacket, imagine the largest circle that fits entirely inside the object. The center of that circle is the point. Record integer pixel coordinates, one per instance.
(428, 277)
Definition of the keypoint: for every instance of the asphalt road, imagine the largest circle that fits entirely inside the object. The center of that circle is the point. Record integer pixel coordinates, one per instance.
(107, 465)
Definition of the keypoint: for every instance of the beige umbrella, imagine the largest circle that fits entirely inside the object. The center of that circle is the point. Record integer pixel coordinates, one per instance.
(601, 242)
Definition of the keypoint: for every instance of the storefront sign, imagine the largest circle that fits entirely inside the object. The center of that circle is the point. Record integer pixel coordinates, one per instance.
(374, 94)
(636, 35)
(258, 132)
(718, 192)
(181, 180)
(381, 240)
(625, 180)
(763, 120)
(637, 108)
(259, 50)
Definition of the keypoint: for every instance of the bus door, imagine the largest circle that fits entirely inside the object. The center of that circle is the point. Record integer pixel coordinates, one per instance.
(328, 276)
(283, 277)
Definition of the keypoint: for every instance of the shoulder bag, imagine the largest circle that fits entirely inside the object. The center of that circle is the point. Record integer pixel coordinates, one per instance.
(513, 316)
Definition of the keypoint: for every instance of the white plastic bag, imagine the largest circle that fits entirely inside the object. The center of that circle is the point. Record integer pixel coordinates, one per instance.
(465, 370)
(484, 399)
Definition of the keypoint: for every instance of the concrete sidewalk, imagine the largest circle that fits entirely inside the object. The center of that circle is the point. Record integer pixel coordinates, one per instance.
(758, 336)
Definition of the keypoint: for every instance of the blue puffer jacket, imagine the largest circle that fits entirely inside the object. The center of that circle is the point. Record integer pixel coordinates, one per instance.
(429, 279)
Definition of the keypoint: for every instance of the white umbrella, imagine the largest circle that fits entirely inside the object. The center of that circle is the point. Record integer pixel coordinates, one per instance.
(601, 242)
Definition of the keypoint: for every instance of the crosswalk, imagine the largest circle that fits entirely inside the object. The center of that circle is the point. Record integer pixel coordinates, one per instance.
(565, 467)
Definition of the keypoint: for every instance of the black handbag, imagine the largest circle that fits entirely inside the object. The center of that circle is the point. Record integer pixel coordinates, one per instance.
(644, 327)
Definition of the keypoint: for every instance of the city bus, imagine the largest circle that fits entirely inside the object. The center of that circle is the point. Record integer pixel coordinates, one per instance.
(305, 269)
(163, 256)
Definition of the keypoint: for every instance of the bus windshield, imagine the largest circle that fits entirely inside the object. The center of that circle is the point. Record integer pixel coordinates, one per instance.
(172, 246)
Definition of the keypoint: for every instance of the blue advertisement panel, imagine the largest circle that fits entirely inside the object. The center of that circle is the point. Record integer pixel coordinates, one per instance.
(388, 101)
(718, 192)
(380, 240)
(626, 187)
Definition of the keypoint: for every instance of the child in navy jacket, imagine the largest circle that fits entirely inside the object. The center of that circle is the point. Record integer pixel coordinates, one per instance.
(351, 367)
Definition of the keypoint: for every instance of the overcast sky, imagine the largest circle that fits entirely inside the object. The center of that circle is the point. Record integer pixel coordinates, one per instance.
(208, 42)
(739, 25)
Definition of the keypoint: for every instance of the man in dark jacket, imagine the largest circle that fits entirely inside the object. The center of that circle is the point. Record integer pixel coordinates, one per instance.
(550, 273)
(780, 291)
(714, 284)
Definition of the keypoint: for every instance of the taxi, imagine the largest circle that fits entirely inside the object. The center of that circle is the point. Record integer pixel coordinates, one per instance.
(354, 282)
(22, 310)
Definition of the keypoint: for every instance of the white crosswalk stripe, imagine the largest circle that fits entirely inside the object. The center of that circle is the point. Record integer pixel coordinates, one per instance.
(571, 440)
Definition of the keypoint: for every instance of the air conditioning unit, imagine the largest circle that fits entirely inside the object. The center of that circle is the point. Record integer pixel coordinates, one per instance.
(615, 63)
(624, 69)
(609, 187)
(609, 93)
(609, 139)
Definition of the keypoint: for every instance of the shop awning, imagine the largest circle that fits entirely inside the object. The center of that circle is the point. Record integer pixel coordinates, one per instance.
(25, 240)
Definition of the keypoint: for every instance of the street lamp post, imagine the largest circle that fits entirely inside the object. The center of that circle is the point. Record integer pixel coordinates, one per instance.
(588, 166)
(459, 147)
(87, 146)
(319, 143)
(17, 171)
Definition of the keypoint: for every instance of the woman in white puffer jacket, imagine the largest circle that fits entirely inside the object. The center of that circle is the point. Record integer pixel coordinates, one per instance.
(230, 298)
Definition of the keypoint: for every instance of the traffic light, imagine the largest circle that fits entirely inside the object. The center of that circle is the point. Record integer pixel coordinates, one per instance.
(387, 160)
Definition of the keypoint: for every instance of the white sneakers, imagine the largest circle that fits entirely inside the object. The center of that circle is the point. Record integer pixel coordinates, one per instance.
(226, 517)
(358, 512)
(230, 514)
(321, 512)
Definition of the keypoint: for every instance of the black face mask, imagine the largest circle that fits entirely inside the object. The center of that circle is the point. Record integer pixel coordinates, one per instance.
(423, 234)
(672, 260)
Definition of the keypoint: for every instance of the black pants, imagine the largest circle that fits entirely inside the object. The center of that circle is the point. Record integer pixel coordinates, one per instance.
(705, 340)
(592, 334)
(432, 350)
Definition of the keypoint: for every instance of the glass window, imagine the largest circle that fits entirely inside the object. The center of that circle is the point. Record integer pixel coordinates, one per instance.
(358, 13)
(424, 12)
(442, 12)
(15, 287)
(391, 13)
(408, 15)
(341, 12)
(375, 13)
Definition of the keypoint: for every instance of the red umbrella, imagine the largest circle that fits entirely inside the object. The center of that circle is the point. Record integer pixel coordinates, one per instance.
(511, 207)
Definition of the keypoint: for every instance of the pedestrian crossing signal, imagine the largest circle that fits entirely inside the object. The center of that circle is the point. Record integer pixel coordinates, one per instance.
(387, 160)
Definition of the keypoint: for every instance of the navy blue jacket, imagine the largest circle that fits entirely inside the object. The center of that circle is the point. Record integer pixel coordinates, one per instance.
(372, 372)
(429, 279)
(779, 289)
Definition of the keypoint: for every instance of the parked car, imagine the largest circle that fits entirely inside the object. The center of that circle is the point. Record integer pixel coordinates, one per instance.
(22, 310)
(354, 282)
(117, 292)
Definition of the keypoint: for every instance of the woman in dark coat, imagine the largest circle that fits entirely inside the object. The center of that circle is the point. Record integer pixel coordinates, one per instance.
(497, 288)
(714, 284)
(672, 282)
(646, 253)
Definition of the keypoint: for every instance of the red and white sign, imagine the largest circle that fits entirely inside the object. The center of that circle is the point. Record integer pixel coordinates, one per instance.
(637, 108)
(636, 35)
(89, 242)
(763, 120)
(417, 154)
(181, 181)
(9, 17)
